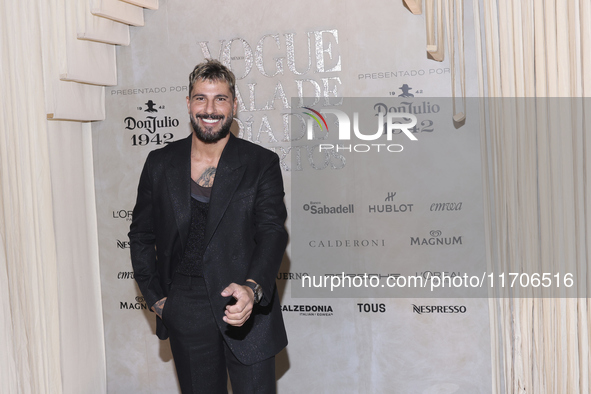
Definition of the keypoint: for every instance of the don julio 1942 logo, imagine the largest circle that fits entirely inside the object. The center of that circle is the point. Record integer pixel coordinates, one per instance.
(153, 128)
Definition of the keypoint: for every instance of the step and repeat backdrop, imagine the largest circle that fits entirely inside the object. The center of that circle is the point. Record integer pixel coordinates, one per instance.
(383, 190)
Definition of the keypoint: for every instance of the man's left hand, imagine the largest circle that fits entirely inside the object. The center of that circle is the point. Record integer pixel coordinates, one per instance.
(238, 314)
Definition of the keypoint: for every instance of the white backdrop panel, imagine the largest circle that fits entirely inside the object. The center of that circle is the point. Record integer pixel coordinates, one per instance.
(278, 51)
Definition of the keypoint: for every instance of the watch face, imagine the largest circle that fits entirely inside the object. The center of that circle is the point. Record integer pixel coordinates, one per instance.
(258, 293)
(257, 290)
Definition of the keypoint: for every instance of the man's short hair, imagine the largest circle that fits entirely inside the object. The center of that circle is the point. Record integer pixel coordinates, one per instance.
(214, 71)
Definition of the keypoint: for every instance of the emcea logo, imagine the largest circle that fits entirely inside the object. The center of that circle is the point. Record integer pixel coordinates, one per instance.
(344, 133)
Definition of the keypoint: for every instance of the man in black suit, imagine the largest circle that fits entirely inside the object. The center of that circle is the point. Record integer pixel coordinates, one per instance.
(207, 239)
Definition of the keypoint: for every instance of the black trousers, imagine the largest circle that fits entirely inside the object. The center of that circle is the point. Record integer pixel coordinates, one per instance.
(202, 358)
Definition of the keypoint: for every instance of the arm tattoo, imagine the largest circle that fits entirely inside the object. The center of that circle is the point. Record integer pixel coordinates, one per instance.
(206, 179)
(157, 307)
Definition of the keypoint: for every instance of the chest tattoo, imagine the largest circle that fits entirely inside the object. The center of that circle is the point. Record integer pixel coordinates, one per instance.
(206, 179)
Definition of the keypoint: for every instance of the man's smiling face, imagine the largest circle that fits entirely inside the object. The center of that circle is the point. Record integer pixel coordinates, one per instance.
(211, 109)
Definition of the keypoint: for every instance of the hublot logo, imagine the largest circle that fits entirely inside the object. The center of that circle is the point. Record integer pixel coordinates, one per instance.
(390, 208)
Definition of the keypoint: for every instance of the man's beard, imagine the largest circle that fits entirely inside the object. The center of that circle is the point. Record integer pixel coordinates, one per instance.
(210, 138)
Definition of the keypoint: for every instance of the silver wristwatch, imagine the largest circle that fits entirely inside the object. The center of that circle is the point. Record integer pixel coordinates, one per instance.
(257, 290)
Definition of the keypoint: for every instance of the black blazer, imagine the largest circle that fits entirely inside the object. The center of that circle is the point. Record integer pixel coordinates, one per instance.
(245, 236)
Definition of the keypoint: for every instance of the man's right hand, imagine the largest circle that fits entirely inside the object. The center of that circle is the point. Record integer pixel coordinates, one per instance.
(157, 307)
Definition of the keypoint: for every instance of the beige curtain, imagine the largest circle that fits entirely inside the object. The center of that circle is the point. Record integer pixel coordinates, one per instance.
(537, 151)
(51, 329)
(534, 74)
(536, 172)
(29, 325)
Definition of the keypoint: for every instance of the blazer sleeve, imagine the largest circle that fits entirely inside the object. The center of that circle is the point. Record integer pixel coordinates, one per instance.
(142, 238)
(270, 236)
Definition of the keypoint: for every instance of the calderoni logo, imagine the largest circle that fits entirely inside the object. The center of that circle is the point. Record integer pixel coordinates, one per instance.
(138, 304)
(420, 309)
(309, 310)
(436, 239)
(150, 123)
(394, 121)
(346, 243)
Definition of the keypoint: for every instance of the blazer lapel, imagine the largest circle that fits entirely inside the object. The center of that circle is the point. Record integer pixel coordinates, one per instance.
(228, 175)
(178, 180)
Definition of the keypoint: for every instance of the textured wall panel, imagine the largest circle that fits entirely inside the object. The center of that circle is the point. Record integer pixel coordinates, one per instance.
(280, 51)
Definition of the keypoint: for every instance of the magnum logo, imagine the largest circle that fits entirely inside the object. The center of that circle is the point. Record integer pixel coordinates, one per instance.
(436, 239)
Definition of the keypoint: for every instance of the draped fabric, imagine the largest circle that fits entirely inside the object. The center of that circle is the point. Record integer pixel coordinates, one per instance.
(30, 361)
(534, 67)
(82, 345)
(55, 59)
(537, 151)
(537, 168)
